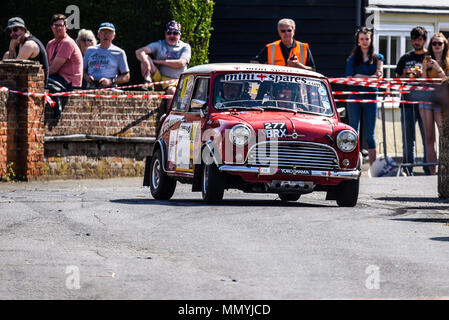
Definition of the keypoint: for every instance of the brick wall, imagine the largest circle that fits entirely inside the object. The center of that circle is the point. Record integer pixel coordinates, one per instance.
(117, 117)
(100, 137)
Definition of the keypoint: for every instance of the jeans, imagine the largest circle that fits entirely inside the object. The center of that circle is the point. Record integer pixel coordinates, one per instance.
(409, 116)
(369, 111)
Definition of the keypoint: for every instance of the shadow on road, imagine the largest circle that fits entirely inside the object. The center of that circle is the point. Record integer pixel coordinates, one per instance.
(413, 199)
(445, 239)
(426, 220)
(224, 203)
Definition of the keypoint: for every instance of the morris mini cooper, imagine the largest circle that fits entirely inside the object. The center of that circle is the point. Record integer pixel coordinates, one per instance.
(256, 128)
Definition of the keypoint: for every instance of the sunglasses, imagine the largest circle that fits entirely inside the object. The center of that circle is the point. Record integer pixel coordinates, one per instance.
(86, 40)
(58, 25)
(437, 43)
(172, 33)
(15, 29)
(287, 30)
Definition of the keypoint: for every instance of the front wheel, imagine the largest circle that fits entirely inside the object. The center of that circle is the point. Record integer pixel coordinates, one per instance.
(212, 184)
(347, 193)
(162, 186)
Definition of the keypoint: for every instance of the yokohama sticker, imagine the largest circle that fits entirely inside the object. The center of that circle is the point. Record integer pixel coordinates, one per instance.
(294, 171)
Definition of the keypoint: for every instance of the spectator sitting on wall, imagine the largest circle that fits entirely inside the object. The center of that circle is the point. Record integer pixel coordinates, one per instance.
(106, 65)
(25, 46)
(64, 56)
(287, 51)
(85, 39)
(170, 57)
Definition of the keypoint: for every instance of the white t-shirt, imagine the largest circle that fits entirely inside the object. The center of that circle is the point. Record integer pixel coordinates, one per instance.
(160, 50)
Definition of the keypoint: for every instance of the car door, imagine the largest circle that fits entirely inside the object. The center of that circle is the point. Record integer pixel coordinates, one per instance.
(185, 123)
(175, 121)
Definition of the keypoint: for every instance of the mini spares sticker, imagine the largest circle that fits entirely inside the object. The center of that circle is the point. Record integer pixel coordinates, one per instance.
(276, 78)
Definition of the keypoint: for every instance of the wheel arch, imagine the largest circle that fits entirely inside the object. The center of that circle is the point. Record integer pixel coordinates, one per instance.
(158, 145)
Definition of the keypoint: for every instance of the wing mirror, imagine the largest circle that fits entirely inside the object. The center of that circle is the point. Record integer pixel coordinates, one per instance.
(197, 104)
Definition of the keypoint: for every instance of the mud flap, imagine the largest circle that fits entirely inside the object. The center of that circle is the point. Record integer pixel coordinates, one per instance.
(146, 175)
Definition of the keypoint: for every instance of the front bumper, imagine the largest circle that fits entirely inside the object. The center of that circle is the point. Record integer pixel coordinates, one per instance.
(267, 171)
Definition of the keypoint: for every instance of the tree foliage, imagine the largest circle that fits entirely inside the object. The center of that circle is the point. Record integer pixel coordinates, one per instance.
(195, 17)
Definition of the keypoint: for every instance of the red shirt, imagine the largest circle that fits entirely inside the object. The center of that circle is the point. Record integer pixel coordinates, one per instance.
(72, 70)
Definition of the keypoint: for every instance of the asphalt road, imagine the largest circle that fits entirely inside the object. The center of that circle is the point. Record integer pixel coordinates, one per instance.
(108, 239)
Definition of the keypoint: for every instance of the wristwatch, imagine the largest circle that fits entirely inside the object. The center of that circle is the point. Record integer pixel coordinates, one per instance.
(113, 80)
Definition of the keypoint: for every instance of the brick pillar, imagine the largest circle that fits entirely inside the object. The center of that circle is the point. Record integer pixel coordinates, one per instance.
(25, 120)
(443, 168)
(3, 134)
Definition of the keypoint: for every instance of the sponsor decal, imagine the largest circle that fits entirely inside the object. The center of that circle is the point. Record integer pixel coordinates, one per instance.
(276, 78)
(294, 171)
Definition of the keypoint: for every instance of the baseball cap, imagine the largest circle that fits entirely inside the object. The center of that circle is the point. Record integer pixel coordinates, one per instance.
(15, 22)
(107, 25)
(174, 25)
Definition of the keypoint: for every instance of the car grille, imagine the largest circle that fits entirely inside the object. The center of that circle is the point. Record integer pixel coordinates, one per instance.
(297, 154)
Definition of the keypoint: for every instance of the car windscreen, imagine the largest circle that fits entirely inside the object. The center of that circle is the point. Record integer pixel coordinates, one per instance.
(272, 91)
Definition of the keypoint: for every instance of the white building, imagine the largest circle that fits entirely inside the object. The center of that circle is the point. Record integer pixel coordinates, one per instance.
(394, 19)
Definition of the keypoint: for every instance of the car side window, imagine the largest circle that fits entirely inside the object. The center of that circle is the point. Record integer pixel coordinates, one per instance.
(182, 97)
(201, 91)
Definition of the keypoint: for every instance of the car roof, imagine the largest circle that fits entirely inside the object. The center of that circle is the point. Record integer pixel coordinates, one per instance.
(236, 67)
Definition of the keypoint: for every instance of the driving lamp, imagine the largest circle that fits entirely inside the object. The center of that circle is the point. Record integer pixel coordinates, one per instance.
(347, 141)
(240, 135)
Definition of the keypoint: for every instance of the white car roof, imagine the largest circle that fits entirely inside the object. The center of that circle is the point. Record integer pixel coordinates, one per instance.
(214, 67)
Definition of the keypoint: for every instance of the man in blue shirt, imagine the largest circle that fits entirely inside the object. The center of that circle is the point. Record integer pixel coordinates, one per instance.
(105, 65)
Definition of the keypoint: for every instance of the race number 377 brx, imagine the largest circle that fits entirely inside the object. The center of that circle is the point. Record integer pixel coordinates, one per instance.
(275, 130)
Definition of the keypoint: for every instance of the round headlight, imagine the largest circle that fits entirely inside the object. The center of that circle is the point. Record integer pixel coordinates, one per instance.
(240, 135)
(347, 141)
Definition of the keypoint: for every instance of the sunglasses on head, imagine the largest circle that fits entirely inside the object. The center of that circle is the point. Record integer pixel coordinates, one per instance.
(437, 43)
(174, 33)
(286, 30)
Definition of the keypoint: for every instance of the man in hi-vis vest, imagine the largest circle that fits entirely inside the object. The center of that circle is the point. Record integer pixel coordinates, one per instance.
(287, 51)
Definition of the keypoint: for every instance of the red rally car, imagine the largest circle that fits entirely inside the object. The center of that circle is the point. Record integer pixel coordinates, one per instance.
(256, 128)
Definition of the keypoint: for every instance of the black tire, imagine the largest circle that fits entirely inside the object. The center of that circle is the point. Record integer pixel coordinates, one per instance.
(289, 196)
(347, 193)
(162, 186)
(212, 186)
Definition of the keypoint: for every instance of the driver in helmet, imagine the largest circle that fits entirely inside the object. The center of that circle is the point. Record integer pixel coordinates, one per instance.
(232, 90)
(285, 96)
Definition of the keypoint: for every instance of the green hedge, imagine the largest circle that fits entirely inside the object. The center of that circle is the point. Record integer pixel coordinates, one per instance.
(137, 22)
(195, 17)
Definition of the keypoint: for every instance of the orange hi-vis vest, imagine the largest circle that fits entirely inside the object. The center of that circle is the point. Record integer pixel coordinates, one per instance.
(275, 53)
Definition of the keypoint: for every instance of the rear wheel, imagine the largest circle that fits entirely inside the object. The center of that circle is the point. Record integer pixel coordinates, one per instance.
(347, 193)
(162, 186)
(289, 197)
(212, 184)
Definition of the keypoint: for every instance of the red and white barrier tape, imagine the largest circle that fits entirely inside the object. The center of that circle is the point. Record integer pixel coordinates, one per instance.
(335, 93)
(116, 96)
(402, 80)
(80, 93)
(148, 84)
(384, 101)
(386, 86)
